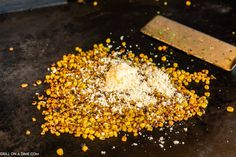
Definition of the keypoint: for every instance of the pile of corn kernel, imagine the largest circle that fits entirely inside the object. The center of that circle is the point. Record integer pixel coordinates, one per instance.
(65, 112)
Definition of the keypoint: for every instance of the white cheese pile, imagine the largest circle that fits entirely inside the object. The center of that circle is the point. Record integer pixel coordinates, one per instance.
(137, 84)
(125, 85)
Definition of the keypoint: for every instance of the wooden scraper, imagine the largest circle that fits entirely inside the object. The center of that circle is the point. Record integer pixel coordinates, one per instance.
(192, 42)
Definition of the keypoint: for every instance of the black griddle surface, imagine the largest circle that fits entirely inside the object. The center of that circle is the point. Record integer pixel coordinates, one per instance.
(43, 36)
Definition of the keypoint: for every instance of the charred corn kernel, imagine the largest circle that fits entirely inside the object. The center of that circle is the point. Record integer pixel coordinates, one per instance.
(206, 87)
(24, 85)
(33, 119)
(60, 151)
(123, 44)
(108, 40)
(11, 49)
(163, 58)
(34, 103)
(27, 132)
(84, 148)
(124, 138)
(230, 109)
(38, 82)
(40, 97)
(188, 3)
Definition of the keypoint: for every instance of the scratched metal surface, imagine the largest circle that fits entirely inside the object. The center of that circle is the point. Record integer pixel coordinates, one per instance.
(7, 6)
(43, 36)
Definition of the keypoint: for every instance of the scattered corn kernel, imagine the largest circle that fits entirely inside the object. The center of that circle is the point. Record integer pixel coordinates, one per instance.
(27, 132)
(11, 49)
(60, 151)
(160, 48)
(164, 48)
(230, 109)
(84, 148)
(188, 3)
(33, 119)
(34, 103)
(108, 40)
(24, 85)
(124, 138)
(95, 3)
(206, 87)
(123, 44)
(163, 58)
(38, 82)
(207, 94)
(175, 65)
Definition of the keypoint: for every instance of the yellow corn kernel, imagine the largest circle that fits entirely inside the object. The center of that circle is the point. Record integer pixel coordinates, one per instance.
(123, 44)
(24, 85)
(33, 119)
(108, 40)
(188, 3)
(60, 151)
(206, 87)
(199, 113)
(163, 58)
(48, 91)
(124, 138)
(160, 48)
(230, 109)
(207, 94)
(95, 3)
(141, 55)
(164, 48)
(84, 148)
(38, 82)
(175, 65)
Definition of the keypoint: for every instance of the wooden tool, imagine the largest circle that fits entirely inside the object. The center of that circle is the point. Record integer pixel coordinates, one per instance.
(192, 42)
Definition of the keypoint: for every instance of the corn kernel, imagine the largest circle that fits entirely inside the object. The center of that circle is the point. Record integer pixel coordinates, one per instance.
(27, 132)
(84, 148)
(230, 109)
(24, 85)
(60, 151)
(163, 58)
(124, 138)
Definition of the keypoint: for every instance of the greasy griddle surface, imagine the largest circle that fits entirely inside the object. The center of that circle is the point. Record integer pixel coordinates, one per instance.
(43, 36)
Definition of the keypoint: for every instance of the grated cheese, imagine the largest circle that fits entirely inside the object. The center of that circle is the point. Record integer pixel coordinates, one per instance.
(125, 85)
